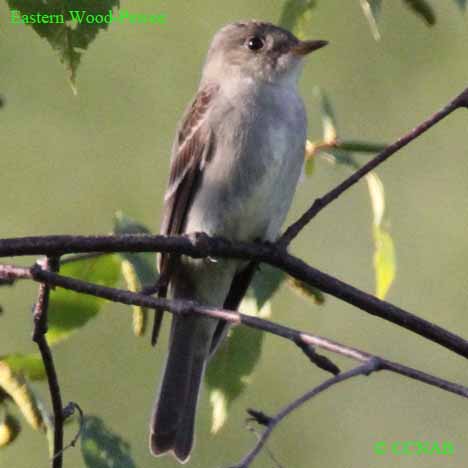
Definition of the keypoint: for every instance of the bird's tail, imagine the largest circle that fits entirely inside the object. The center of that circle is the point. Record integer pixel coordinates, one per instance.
(173, 417)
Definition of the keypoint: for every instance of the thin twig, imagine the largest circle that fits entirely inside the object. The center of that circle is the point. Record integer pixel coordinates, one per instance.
(270, 454)
(58, 245)
(187, 307)
(183, 307)
(320, 203)
(39, 337)
(367, 368)
(200, 245)
(7, 282)
(80, 256)
(68, 411)
(320, 361)
(10, 273)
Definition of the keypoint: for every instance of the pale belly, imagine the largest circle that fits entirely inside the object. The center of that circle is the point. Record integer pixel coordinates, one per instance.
(250, 199)
(248, 184)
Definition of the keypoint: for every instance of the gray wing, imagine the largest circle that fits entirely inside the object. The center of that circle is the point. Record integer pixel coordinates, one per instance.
(192, 149)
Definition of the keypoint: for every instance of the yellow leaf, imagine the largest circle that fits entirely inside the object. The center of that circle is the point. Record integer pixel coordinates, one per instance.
(139, 316)
(18, 388)
(384, 261)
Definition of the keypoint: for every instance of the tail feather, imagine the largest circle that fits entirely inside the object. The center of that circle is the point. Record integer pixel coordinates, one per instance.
(173, 418)
(184, 438)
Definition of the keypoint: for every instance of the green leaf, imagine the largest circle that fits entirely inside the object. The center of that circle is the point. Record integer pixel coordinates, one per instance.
(384, 251)
(375, 7)
(305, 290)
(309, 167)
(422, 9)
(138, 269)
(338, 156)
(371, 9)
(68, 310)
(296, 16)
(30, 365)
(69, 38)
(102, 448)
(143, 262)
(461, 4)
(230, 368)
(361, 146)
(228, 372)
(329, 125)
(264, 285)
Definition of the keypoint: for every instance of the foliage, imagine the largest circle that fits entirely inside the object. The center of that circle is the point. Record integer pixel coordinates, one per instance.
(69, 311)
(70, 39)
(342, 153)
(421, 8)
(138, 269)
(230, 371)
(30, 365)
(231, 367)
(296, 16)
(102, 448)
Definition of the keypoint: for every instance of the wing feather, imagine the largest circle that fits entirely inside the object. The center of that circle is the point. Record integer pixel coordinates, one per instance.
(192, 147)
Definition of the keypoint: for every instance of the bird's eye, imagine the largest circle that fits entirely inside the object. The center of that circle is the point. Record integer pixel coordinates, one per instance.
(255, 43)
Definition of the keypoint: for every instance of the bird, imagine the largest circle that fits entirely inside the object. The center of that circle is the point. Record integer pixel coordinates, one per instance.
(236, 161)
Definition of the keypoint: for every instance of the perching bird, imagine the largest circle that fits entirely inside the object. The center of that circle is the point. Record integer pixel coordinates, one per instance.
(236, 161)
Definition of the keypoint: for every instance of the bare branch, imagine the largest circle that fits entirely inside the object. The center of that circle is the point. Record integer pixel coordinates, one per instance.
(200, 245)
(301, 339)
(320, 203)
(320, 361)
(9, 274)
(265, 447)
(39, 336)
(69, 411)
(183, 307)
(367, 368)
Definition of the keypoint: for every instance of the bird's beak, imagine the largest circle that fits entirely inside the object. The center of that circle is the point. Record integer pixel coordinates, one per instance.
(306, 47)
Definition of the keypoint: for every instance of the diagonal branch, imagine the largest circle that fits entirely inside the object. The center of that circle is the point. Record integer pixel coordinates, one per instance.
(367, 368)
(200, 245)
(183, 307)
(320, 203)
(370, 363)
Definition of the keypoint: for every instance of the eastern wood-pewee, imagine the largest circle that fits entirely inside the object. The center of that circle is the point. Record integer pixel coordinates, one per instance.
(235, 164)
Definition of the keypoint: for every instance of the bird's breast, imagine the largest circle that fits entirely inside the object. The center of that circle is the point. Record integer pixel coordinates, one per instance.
(248, 185)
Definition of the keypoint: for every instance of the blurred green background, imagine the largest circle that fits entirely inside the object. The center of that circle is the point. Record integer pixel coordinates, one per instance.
(67, 163)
